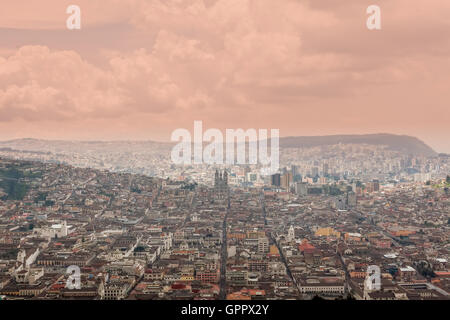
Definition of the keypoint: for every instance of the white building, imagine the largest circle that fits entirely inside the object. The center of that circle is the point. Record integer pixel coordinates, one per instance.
(291, 234)
(59, 230)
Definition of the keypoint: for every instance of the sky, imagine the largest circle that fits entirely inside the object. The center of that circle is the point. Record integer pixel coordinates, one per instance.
(140, 69)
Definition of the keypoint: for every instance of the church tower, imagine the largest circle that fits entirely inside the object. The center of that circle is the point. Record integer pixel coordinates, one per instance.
(225, 178)
(221, 183)
(216, 179)
(291, 234)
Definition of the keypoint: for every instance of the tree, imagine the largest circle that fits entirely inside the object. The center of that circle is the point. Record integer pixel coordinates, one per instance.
(41, 196)
(49, 203)
(425, 268)
(447, 179)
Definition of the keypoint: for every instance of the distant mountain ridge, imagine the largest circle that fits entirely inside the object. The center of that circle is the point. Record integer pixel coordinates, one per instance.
(402, 143)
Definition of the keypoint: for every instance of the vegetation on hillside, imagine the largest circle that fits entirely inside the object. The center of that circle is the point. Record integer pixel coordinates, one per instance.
(10, 182)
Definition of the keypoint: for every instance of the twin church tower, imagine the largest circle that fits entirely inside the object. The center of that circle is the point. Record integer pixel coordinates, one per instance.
(221, 181)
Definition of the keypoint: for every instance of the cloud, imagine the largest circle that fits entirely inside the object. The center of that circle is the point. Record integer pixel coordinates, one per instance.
(233, 63)
(51, 14)
(40, 84)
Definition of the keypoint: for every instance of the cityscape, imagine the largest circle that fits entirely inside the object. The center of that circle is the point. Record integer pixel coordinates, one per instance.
(224, 158)
(310, 231)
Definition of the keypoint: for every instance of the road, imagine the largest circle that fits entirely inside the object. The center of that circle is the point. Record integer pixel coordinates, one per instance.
(282, 257)
(224, 256)
(383, 232)
(78, 186)
(347, 274)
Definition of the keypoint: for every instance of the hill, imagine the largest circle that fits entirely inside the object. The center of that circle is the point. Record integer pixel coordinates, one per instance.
(402, 143)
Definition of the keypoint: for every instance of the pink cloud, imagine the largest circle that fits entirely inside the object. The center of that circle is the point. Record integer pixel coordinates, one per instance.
(306, 67)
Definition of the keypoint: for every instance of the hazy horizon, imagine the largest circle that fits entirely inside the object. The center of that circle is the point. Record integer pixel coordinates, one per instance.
(170, 142)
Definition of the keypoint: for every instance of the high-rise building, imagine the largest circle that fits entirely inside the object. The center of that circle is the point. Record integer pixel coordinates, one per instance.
(276, 180)
(263, 245)
(325, 169)
(351, 199)
(376, 185)
(294, 170)
(296, 176)
(315, 171)
(286, 180)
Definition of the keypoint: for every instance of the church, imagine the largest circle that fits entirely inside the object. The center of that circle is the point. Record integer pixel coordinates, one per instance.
(221, 182)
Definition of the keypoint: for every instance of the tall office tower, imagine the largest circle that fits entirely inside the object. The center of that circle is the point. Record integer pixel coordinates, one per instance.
(216, 179)
(325, 169)
(351, 199)
(263, 245)
(286, 180)
(294, 170)
(376, 185)
(315, 171)
(296, 176)
(276, 179)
